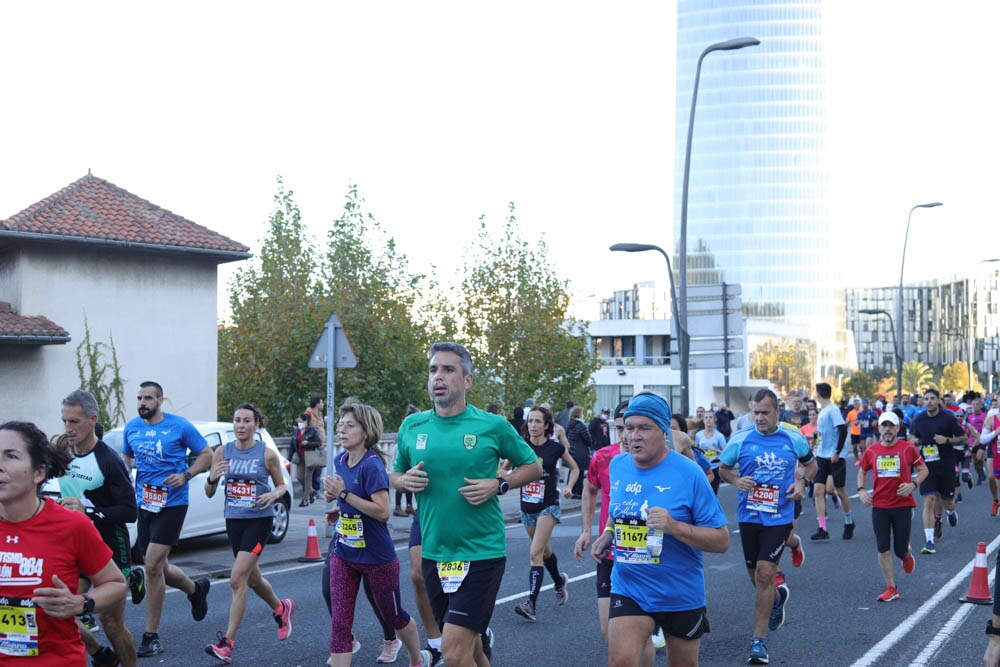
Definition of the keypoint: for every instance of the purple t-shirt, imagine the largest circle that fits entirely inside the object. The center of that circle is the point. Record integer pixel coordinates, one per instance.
(360, 538)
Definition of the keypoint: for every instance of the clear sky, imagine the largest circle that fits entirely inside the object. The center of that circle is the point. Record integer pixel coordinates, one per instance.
(442, 111)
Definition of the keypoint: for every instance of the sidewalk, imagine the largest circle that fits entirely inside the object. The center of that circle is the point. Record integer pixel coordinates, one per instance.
(212, 557)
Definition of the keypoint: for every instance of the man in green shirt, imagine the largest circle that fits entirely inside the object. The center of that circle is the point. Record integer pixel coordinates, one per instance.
(449, 457)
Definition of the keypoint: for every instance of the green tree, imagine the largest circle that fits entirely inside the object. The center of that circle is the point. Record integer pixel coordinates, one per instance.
(860, 384)
(513, 312)
(917, 377)
(375, 296)
(100, 374)
(276, 320)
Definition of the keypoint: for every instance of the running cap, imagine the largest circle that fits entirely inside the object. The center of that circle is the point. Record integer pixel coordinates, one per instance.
(620, 410)
(889, 417)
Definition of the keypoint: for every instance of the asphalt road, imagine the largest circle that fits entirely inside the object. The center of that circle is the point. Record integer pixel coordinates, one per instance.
(833, 618)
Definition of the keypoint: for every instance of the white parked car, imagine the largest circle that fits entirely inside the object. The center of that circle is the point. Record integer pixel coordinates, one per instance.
(205, 515)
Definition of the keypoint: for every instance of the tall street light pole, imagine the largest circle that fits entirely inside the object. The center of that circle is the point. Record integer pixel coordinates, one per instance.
(895, 344)
(681, 332)
(899, 296)
(685, 341)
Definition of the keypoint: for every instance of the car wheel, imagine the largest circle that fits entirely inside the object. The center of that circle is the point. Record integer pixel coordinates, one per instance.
(279, 527)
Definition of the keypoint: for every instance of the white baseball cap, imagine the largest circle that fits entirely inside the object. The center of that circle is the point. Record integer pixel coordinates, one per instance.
(888, 416)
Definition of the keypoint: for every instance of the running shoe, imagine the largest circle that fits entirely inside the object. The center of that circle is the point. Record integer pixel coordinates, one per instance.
(779, 578)
(199, 599)
(659, 641)
(953, 518)
(820, 534)
(848, 531)
(928, 548)
(982, 478)
(390, 650)
(488, 639)
(105, 657)
(967, 477)
(562, 595)
(284, 619)
(758, 652)
(426, 658)
(150, 645)
(435, 654)
(221, 649)
(355, 645)
(889, 594)
(995, 508)
(937, 528)
(89, 621)
(798, 555)
(836, 501)
(909, 563)
(958, 498)
(526, 609)
(777, 618)
(137, 584)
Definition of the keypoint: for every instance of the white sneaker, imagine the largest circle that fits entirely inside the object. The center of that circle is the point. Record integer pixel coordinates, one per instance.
(390, 650)
(658, 639)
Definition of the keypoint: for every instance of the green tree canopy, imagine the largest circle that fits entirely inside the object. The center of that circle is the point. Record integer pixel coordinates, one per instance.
(513, 312)
(917, 377)
(860, 384)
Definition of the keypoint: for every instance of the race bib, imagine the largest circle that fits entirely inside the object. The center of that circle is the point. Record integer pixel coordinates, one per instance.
(351, 530)
(452, 574)
(533, 493)
(931, 453)
(18, 627)
(154, 497)
(710, 454)
(241, 493)
(764, 498)
(887, 466)
(630, 541)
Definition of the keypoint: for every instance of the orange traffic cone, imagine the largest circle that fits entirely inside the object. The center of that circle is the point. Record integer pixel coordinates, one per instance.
(979, 587)
(312, 546)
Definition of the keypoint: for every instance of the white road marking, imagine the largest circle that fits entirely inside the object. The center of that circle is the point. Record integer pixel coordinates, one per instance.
(947, 630)
(910, 623)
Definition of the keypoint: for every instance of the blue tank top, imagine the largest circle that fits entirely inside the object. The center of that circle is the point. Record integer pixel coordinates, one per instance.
(246, 481)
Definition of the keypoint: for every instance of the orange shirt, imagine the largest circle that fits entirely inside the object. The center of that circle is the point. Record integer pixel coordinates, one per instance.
(852, 419)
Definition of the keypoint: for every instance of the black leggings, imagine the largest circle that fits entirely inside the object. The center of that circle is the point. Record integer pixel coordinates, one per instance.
(892, 523)
(388, 633)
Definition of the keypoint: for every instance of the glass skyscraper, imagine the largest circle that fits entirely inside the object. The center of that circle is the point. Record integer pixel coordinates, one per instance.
(758, 193)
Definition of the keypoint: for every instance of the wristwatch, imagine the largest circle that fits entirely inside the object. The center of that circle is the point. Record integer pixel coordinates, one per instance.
(88, 605)
(503, 486)
(188, 475)
(343, 496)
(990, 630)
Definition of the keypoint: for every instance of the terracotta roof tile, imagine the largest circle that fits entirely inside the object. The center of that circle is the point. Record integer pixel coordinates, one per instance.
(14, 326)
(93, 209)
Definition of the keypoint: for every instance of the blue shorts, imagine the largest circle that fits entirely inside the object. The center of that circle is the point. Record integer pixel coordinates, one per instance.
(530, 520)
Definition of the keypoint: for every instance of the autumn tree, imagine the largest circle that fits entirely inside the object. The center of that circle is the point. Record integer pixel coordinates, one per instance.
(860, 384)
(955, 378)
(513, 311)
(786, 364)
(276, 320)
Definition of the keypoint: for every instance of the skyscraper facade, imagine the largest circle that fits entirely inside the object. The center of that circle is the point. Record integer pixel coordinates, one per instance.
(758, 187)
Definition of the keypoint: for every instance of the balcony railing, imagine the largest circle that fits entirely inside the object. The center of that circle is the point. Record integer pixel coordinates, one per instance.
(635, 361)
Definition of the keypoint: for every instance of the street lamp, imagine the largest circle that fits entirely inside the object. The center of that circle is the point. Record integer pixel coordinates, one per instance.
(899, 299)
(685, 341)
(895, 344)
(681, 328)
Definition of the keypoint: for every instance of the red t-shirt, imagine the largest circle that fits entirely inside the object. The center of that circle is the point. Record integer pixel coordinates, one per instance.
(892, 466)
(598, 476)
(56, 541)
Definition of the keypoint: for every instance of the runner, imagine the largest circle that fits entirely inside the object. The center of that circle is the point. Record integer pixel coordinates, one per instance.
(852, 421)
(937, 432)
(662, 516)
(540, 510)
(449, 456)
(711, 443)
(364, 547)
(867, 423)
(97, 484)
(891, 498)
(988, 437)
(761, 463)
(47, 547)
(964, 453)
(157, 444)
(832, 433)
(246, 465)
(976, 418)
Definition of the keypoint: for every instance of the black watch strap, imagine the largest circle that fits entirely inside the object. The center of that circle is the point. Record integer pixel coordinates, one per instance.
(343, 495)
(502, 486)
(990, 630)
(88, 605)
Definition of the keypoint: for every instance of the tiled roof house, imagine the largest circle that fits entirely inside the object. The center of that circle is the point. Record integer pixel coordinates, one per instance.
(138, 275)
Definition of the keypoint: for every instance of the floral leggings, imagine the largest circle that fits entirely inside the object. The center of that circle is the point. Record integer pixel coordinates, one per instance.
(345, 579)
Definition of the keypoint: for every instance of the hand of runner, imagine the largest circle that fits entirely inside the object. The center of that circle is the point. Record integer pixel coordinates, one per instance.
(793, 492)
(415, 479)
(478, 491)
(906, 489)
(865, 496)
(175, 481)
(992, 656)
(600, 546)
(58, 601)
(219, 469)
(581, 545)
(744, 483)
(333, 485)
(659, 518)
(567, 492)
(72, 504)
(265, 500)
